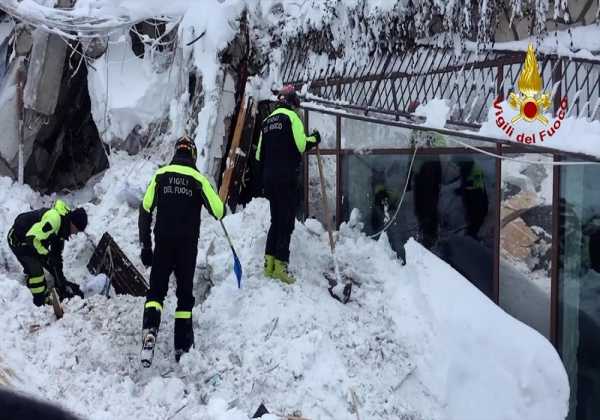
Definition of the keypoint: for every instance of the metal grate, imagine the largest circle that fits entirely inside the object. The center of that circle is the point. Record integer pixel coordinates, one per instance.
(395, 83)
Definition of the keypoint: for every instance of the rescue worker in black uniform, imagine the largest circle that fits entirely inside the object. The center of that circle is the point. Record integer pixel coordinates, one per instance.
(37, 239)
(474, 196)
(177, 192)
(427, 186)
(280, 147)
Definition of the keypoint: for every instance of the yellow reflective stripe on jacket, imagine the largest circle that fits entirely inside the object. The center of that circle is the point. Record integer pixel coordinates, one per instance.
(61, 207)
(153, 304)
(257, 156)
(476, 179)
(148, 201)
(183, 314)
(216, 205)
(36, 280)
(37, 290)
(300, 138)
(51, 217)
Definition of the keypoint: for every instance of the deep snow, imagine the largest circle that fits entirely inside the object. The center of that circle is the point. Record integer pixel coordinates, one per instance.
(417, 341)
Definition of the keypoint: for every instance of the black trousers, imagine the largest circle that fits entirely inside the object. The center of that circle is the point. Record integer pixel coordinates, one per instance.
(173, 255)
(427, 194)
(282, 194)
(476, 209)
(33, 267)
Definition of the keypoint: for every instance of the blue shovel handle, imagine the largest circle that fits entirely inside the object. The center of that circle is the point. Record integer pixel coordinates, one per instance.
(237, 266)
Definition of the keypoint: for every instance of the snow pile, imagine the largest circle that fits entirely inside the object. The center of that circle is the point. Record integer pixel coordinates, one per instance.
(130, 93)
(127, 91)
(578, 42)
(351, 25)
(220, 26)
(417, 341)
(435, 111)
(467, 362)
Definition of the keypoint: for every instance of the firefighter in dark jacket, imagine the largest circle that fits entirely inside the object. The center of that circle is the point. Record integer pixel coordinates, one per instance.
(281, 145)
(474, 195)
(37, 239)
(177, 192)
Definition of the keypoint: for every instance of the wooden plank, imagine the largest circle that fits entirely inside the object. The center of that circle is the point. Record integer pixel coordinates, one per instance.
(230, 163)
(56, 305)
(243, 155)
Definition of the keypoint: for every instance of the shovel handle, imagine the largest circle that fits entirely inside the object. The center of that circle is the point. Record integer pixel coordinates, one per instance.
(226, 234)
(324, 200)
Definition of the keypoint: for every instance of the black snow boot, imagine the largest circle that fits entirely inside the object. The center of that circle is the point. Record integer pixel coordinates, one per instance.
(184, 336)
(148, 343)
(150, 325)
(151, 318)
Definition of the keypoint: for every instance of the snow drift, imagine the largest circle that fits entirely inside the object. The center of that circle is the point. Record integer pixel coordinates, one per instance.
(417, 341)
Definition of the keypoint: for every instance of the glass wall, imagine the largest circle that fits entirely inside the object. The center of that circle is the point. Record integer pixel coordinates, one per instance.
(359, 135)
(579, 287)
(373, 184)
(449, 205)
(526, 239)
(325, 123)
(315, 205)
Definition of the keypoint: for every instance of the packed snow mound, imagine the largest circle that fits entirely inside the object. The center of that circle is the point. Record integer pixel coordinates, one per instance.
(126, 91)
(416, 341)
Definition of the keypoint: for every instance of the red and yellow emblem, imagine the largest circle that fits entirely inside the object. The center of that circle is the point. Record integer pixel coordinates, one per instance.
(532, 102)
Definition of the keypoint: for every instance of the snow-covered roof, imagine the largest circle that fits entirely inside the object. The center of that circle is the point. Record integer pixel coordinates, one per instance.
(469, 81)
(91, 17)
(579, 42)
(351, 23)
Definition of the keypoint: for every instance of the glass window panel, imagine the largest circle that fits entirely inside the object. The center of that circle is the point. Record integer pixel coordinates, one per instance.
(315, 205)
(579, 287)
(358, 135)
(373, 185)
(526, 239)
(448, 207)
(457, 141)
(325, 123)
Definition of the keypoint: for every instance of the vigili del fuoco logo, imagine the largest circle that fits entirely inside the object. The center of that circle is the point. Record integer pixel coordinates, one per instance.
(530, 124)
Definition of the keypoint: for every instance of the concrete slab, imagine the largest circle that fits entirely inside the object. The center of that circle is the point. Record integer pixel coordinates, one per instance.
(45, 72)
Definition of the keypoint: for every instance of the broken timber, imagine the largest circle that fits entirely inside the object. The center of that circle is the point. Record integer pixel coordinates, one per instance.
(108, 258)
(239, 153)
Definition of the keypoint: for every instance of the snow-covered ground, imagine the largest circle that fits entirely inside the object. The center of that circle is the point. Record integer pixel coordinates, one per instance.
(417, 341)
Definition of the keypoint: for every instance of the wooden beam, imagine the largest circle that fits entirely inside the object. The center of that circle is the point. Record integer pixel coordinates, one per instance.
(235, 142)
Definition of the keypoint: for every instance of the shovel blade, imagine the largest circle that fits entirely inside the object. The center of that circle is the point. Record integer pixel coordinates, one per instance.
(237, 269)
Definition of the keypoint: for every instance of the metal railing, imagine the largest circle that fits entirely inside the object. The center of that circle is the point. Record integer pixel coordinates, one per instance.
(395, 83)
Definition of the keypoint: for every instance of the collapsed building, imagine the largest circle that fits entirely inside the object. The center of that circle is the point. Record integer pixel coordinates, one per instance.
(526, 236)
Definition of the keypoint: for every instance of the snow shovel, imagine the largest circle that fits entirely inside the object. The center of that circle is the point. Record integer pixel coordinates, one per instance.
(338, 278)
(237, 266)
